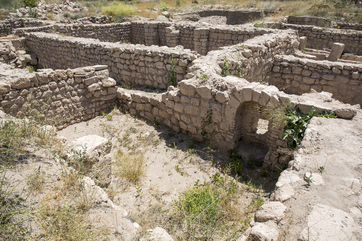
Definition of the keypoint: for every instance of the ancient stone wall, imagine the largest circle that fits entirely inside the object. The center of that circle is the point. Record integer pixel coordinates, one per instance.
(130, 65)
(309, 20)
(206, 112)
(322, 22)
(233, 17)
(64, 96)
(113, 32)
(138, 33)
(205, 38)
(319, 38)
(297, 76)
(253, 59)
(7, 26)
(201, 39)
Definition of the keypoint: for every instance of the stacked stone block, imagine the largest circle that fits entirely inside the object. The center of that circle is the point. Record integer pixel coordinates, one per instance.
(113, 32)
(318, 37)
(254, 58)
(138, 32)
(64, 96)
(130, 65)
(297, 76)
(7, 26)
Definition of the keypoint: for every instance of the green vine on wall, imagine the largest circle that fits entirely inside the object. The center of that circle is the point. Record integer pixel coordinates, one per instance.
(225, 69)
(172, 78)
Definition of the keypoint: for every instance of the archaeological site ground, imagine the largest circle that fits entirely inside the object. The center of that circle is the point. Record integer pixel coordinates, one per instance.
(180, 120)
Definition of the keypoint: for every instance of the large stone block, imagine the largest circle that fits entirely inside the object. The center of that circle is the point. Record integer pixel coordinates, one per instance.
(4, 87)
(204, 92)
(20, 83)
(336, 52)
(187, 88)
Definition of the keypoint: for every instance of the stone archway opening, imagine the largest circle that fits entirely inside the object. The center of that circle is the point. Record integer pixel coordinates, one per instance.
(252, 131)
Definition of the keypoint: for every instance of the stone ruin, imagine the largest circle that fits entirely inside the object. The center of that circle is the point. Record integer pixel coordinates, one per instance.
(85, 65)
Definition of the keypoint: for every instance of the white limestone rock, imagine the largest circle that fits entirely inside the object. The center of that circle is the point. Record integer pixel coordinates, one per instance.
(326, 223)
(94, 146)
(270, 211)
(159, 234)
(267, 231)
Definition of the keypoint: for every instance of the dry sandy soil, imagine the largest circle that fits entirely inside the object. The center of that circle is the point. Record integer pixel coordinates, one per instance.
(173, 162)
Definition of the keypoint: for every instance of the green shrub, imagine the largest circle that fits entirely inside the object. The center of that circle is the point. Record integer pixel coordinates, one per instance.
(33, 13)
(210, 211)
(297, 124)
(117, 9)
(30, 3)
(225, 69)
(172, 77)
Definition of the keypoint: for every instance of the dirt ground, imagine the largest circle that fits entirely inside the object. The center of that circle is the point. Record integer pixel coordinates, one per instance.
(173, 163)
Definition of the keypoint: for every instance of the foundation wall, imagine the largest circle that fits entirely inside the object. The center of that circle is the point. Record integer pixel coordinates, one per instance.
(113, 32)
(7, 26)
(129, 65)
(64, 96)
(193, 37)
(232, 17)
(188, 109)
(297, 76)
(322, 22)
(253, 59)
(318, 37)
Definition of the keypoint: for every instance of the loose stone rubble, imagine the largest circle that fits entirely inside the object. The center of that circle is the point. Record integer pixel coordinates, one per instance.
(83, 85)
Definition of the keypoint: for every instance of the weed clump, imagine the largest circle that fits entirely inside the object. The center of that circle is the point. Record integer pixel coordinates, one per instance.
(130, 166)
(209, 211)
(172, 77)
(118, 9)
(225, 68)
(297, 124)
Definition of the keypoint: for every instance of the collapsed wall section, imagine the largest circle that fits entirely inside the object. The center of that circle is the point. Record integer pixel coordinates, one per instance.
(129, 65)
(63, 97)
(298, 75)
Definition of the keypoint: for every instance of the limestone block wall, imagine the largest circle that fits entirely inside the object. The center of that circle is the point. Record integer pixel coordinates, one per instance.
(64, 96)
(188, 108)
(205, 38)
(232, 16)
(201, 39)
(138, 32)
(7, 26)
(22, 31)
(322, 22)
(309, 20)
(219, 37)
(297, 75)
(113, 32)
(130, 65)
(318, 37)
(253, 59)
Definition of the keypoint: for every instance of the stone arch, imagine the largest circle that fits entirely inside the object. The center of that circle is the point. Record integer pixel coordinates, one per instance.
(251, 124)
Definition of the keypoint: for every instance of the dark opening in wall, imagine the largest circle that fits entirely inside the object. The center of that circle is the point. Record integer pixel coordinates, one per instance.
(251, 126)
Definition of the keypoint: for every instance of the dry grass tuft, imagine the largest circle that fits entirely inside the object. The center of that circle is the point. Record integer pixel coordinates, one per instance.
(130, 166)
